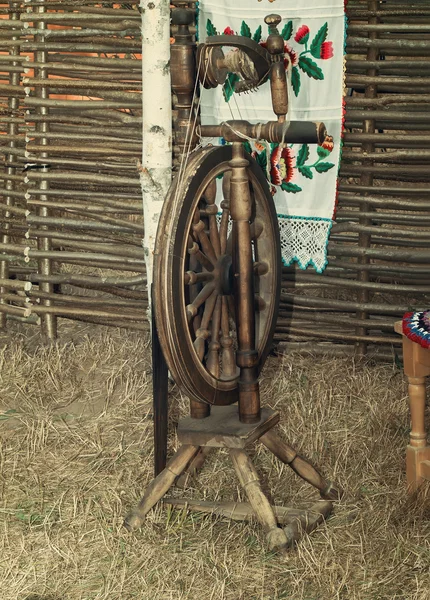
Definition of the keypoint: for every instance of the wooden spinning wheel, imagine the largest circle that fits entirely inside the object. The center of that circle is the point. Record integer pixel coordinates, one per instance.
(194, 276)
(217, 283)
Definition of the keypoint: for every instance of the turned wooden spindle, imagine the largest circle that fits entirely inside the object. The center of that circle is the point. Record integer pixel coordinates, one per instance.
(416, 361)
(247, 355)
(160, 485)
(301, 466)
(278, 78)
(417, 401)
(249, 480)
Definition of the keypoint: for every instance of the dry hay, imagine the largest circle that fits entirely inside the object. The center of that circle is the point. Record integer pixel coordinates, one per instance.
(76, 453)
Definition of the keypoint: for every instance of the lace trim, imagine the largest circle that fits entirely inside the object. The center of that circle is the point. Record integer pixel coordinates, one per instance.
(303, 240)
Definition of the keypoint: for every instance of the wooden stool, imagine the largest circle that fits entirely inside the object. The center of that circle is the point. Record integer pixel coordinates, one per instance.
(417, 367)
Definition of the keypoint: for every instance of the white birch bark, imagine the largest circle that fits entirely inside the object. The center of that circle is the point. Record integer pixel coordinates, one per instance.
(156, 170)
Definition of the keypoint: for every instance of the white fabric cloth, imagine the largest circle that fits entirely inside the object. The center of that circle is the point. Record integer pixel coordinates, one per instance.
(314, 33)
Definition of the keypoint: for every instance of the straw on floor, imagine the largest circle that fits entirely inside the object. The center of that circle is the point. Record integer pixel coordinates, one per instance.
(76, 453)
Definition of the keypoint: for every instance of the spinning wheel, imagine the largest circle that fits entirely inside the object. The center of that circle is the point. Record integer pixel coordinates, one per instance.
(217, 283)
(194, 275)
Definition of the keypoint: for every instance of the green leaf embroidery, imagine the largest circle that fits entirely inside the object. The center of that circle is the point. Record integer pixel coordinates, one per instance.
(295, 80)
(257, 35)
(323, 152)
(303, 155)
(290, 187)
(309, 67)
(229, 85)
(287, 31)
(210, 29)
(318, 40)
(261, 158)
(247, 147)
(306, 172)
(245, 30)
(323, 167)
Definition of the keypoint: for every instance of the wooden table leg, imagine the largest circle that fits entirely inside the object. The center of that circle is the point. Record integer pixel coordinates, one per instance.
(417, 367)
(160, 485)
(250, 481)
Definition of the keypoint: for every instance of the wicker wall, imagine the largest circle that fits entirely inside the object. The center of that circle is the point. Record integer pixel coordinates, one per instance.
(77, 214)
(77, 111)
(379, 250)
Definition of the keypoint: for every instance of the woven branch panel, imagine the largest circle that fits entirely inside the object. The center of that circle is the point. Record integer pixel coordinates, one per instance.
(71, 224)
(379, 250)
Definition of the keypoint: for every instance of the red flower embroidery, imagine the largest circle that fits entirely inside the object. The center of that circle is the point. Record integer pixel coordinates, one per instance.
(282, 165)
(302, 34)
(229, 31)
(326, 51)
(328, 143)
(289, 51)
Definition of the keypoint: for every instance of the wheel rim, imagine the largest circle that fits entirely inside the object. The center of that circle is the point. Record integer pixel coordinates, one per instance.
(193, 304)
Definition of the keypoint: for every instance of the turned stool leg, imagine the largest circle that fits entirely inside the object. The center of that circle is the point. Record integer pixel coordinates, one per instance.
(418, 435)
(250, 481)
(300, 466)
(192, 469)
(417, 368)
(160, 485)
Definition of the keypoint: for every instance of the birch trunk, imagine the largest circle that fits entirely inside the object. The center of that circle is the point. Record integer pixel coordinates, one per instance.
(156, 170)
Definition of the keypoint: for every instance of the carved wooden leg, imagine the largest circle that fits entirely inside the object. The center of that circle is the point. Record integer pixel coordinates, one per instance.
(417, 450)
(302, 467)
(249, 480)
(417, 367)
(160, 485)
(195, 465)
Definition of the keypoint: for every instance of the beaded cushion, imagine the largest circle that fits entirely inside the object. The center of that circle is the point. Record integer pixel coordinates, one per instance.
(416, 327)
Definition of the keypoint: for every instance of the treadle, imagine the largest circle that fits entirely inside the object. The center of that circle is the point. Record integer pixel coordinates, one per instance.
(299, 520)
(222, 429)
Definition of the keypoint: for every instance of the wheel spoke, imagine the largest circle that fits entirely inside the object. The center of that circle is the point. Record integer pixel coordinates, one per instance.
(205, 261)
(203, 333)
(191, 277)
(211, 211)
(202, 296)
(193, 290)
(257, 228)
(199, 234)
(227, 353)
(261, 268)
(212, 362)
(225, 205)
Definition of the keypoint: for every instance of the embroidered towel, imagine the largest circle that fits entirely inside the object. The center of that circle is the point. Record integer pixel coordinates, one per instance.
(303, 178)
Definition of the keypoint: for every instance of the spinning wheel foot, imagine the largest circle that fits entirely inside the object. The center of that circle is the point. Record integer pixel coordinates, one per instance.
(307, 521)
(133, 521)
(277, 540)
(332, 492)
(160, 485)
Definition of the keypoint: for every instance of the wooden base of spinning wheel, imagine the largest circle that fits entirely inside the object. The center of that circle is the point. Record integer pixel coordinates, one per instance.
(223, 429)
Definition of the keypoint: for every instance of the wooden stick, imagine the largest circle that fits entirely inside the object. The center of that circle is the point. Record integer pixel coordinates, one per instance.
(238, 511)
